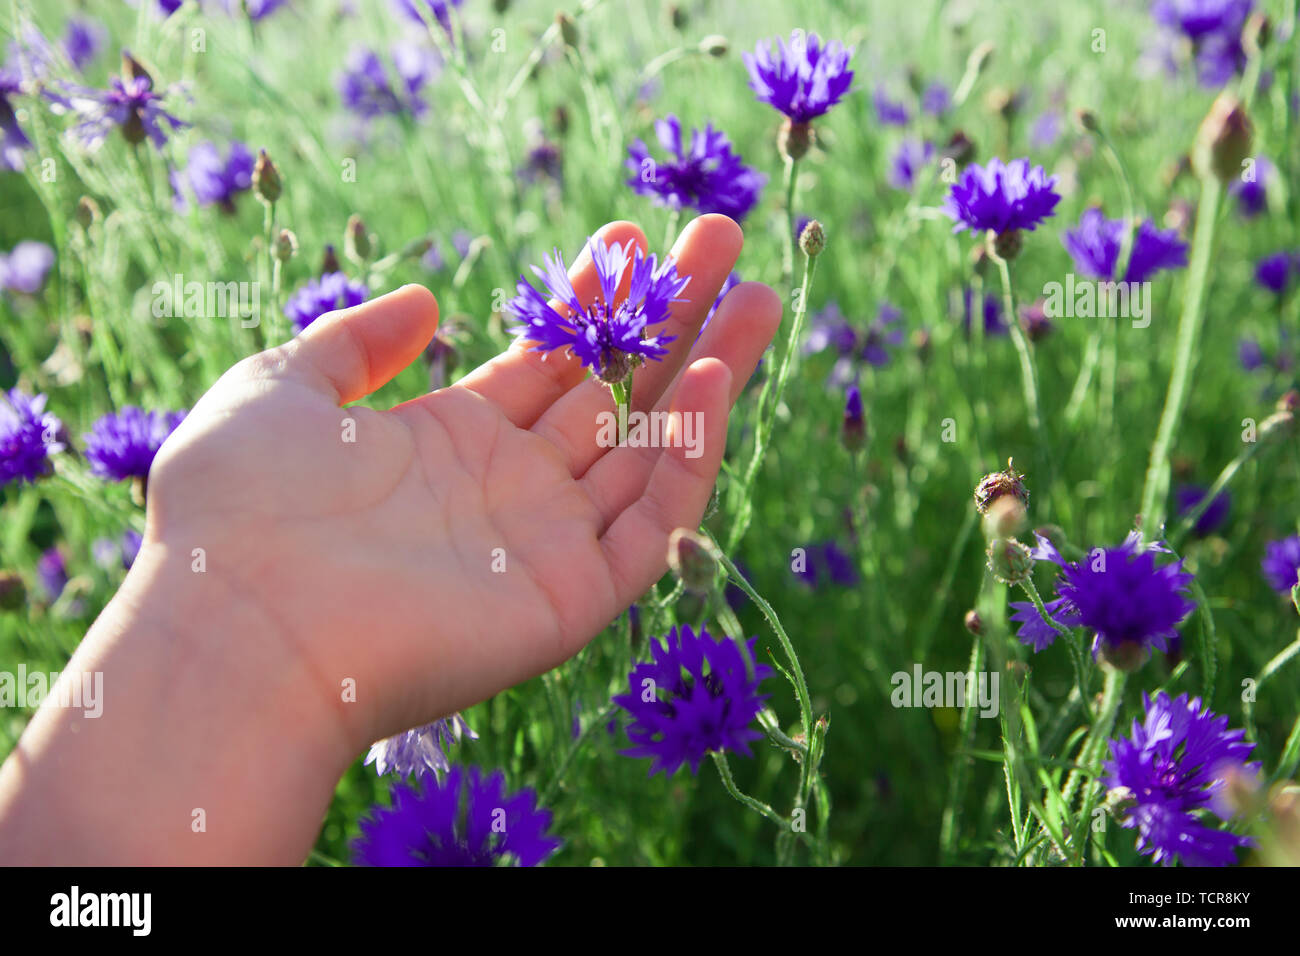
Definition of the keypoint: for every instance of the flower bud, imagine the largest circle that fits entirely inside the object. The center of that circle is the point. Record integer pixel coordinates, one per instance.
(974, 623)
(285, 246)
(715, 44)
(329, 261)
(854, 432)
(266, 179)
(960, 148)
(693, 558)
(87, 212)
(356, 241)
(1010, 561)
(568, 29)
(12, 592)
(1223, 142)
(1002, 101)
(1087, 120)
(813, 239)
(999, 483)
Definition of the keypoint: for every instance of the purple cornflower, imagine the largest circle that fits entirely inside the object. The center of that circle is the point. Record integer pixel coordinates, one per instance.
(1094, 246)
(543, 161)
(992, 312)
(52, 573)
(706, 175)
(1172, 767)
(422, 11)
(366, 89)
(826, 563)
(1251, 354)
(83, 40)
(936, 100)
(907, 160)
(129, 104)
(24, 268)
(1252, 194)
(332, 291)
(1274, 272)
(1214, 29)
(123, 445)
(465, 820)
(419, 749)
(889, 112)
(854, 427)
(803, 79)
(1003, 197)
(109, 554)
(28, 436)
(1119, 593)
(1281, 564)
(608, 336)
(1189, 496)
(703, 695)
(257, 10)
(880, 333)
(214, 179)
(1046, 130)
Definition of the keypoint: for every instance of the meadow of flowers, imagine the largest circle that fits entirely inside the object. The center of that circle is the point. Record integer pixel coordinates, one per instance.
(1003, 565)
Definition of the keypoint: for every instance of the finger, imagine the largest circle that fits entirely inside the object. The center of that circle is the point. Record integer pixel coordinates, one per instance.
(524, 383)
(706, 251)
(353, 352)
(741, 329)
(636, 545)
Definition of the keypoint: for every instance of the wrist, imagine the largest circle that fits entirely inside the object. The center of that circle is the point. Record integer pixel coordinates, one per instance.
(214, 743)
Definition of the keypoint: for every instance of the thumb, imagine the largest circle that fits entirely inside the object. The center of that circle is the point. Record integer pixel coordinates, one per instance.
(355, 351)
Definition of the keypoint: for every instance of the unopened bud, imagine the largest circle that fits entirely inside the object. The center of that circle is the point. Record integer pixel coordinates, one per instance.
(329, 261)
(1224, 139)
(693, 558)
(266, 179)
(1002, 101)
(1010, 561)
(87, 212)
(1007, 245)
(974, 623)
(960, 148)
(854, 432)
(13, 594)
(1087, 120)
(285, 246)
(999, 483)
(715, 44)
(812, 241)
(568, 29)
(356, 241)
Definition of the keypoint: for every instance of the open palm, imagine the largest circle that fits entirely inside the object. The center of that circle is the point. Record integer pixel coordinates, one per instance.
(442, 550)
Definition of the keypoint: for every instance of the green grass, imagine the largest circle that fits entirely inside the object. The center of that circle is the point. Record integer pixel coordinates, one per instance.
(888, 772)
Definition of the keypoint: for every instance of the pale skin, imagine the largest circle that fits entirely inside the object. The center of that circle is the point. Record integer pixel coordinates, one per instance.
(328, 564)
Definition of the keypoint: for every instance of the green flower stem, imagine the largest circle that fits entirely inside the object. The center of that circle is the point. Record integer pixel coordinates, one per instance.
(1076, 652)
(1111, 696)
(1189, 329)
(1220, 483)
(791, 240)
(1028, 374)
(572, 752)
(1272, 667)
(767, 407)
(622, 392)
(796, 670)
(961, 766)
(724, 771)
